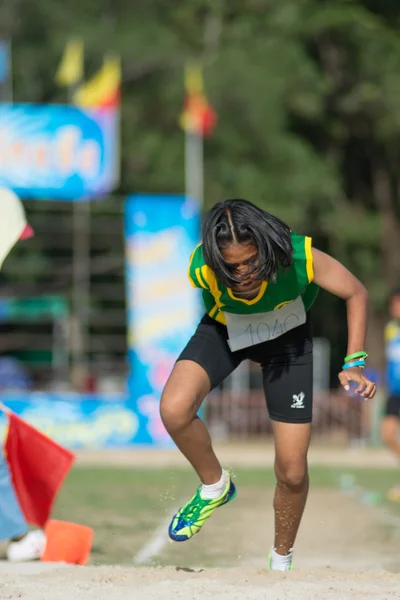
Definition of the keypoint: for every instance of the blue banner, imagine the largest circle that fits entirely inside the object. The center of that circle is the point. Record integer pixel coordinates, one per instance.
(393, 365)
(58, 152)
(163, 308)
(84, 421)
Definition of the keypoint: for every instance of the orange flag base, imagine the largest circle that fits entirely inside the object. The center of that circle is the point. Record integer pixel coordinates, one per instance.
(67, 542)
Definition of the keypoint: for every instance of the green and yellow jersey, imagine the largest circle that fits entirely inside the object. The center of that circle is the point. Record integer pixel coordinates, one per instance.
(289, 285)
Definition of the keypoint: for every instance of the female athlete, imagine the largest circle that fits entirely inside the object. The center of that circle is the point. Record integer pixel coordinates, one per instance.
(259, 280)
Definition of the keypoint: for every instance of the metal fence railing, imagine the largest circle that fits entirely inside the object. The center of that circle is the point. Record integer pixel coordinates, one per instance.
(336, 417)
(38, 317)
(240, 411)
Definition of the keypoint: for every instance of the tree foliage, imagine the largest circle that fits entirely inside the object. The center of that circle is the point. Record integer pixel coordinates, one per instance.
(306, 93)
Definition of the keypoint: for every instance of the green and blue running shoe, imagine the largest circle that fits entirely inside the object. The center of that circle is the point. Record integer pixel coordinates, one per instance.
(190, 518)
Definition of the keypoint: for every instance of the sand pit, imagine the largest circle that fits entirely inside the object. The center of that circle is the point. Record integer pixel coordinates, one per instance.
(118, 583)
(344, 551)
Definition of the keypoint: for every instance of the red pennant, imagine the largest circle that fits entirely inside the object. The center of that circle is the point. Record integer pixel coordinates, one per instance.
(38, 468)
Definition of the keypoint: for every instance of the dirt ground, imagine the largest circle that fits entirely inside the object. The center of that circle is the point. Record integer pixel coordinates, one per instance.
(239, 454)
(225, 584)
(343, 552)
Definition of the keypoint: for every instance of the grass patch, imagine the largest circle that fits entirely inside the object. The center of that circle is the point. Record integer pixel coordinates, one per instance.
(125, 505)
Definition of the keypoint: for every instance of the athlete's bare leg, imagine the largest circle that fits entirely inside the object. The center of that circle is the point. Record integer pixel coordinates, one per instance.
(183, 394)
(291, 445)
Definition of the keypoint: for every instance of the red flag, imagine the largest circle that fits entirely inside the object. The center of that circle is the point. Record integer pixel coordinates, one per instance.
(197, 116)
(38, 468)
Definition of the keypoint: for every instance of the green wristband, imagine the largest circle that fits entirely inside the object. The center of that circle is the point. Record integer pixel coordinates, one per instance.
(355, 355)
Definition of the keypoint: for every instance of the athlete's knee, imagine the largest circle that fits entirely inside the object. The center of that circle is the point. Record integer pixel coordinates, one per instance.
(182, 396)
(291, 473)
(177, 411)
(174, 415)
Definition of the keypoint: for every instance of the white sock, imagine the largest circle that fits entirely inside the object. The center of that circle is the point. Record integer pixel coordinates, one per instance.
(281, 562)
(215, 490)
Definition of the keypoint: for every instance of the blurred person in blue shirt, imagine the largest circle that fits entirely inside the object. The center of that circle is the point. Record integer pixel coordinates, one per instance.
(24, 545)
(391, 419)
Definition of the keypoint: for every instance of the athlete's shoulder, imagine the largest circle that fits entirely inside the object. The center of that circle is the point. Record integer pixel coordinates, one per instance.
(299, 242)
(196, 257)
(197, 267)
(302, 254)
(200, 274)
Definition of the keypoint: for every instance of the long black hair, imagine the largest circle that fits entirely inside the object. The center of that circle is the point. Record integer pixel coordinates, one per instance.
(238, 221)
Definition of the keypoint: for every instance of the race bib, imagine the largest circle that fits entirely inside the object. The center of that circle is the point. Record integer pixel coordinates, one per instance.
(248, 330)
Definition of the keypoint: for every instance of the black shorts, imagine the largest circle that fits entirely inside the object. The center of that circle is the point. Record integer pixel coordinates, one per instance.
(286, 362)
(392, 407)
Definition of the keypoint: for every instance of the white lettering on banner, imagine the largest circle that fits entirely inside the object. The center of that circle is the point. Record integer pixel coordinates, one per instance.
(248, 330)
(62, 153)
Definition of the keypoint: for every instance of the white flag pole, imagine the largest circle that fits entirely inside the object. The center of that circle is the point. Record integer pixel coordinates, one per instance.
(79, 326)
(194, 167)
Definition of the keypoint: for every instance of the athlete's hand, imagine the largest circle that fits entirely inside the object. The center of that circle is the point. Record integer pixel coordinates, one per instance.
(366, 388)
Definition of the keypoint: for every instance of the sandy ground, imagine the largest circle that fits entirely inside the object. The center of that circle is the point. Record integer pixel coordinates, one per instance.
(119, 583)
(239, 454)
(343, 552)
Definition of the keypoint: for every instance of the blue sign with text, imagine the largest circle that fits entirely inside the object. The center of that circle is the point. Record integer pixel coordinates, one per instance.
(58, 152)
(84, 421)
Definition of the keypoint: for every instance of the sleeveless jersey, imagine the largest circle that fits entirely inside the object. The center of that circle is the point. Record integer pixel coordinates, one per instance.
(289, 285)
